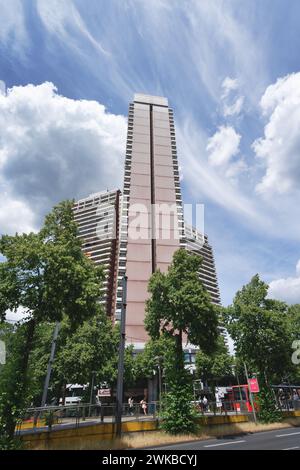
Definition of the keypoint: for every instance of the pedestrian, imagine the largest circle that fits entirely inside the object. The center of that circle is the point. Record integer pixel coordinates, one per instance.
(98, 405)
(200, 405)
(205, 402)
(130, 405)
(218, 401)
(295, 399)
(143, 404)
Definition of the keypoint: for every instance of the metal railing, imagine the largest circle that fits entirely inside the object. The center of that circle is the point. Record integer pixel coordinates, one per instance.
(226, 407)
(56, 417)
(288, 404)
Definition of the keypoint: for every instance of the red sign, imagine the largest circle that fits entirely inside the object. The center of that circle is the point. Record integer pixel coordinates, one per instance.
(254, 387)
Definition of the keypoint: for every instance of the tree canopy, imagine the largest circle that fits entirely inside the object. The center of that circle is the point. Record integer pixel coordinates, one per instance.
(180, 309)
(259, 327)
(47, 275)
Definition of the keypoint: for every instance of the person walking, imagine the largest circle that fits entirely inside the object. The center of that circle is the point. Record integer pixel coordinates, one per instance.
(143, 404)
(130, 406)
(204, 402)
(218, 397)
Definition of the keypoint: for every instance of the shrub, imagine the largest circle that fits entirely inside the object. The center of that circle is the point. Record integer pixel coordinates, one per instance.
(178, 414)
(268, 411)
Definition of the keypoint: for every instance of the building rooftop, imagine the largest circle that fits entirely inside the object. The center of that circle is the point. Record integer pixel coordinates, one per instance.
(149, 99)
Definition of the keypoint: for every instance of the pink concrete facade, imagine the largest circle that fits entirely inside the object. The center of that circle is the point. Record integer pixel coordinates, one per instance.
(153, 171)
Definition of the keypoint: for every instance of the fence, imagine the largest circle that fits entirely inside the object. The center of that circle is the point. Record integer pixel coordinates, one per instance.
(288, 404)
(53, 417)
(56, 417)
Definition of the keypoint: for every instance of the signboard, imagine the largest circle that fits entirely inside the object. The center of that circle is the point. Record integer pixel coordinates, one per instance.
(104, 392)
(253, 384)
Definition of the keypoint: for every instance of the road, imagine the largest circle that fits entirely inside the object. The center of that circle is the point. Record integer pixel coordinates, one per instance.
(283, 439)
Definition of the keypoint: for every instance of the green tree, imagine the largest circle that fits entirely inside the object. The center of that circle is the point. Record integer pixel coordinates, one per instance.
(93, 349)
(258, 326)
(11, 402)
(86, 350)
(156, 353)
(293, 325)
(180, 308)
(180, 305)
(48, 276)
(215, 366)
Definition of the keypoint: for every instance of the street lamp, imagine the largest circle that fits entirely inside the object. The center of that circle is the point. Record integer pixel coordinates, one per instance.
(92, 391)
(234, 368)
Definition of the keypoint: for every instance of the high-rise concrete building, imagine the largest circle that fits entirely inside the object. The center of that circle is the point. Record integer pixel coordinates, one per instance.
(138, 231)
(151, 188)
(97, 217)
(198, 243)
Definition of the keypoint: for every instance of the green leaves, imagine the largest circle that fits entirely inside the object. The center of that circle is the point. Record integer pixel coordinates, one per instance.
(178, 415)
(47, 275)
(259, 328)
(179, 306)
(217, 365)
(268, 411)
(179, 303)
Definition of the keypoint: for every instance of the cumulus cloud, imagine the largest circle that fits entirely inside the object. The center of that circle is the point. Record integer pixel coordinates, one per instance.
(2, 87)
(287, 289)
(223, 145)
(53, 148)
(15, 216)
(280, 147)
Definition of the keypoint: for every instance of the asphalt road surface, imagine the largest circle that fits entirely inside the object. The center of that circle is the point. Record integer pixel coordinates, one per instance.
(283, 439)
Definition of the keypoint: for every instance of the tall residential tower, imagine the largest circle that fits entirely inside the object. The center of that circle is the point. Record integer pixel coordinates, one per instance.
(138, 231)
(152, 188)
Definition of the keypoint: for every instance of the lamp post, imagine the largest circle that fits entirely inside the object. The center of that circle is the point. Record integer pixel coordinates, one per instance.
(234, 367)
(51, 359)
(119, 403)
(250, 393)
(92, 391)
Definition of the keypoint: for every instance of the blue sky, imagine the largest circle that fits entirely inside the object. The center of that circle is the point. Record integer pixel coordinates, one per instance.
(231, 71)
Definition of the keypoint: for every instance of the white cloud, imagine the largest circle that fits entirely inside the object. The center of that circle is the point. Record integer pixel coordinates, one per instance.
(192, 143)
(231, 102)
(280, 147)
(12, 26)
(236, 168)
(2, 88)
(287, 289)
(228, 85)
(15, 216)
(52, 148)
(63, 19)
(298, 268)
(223, 145)
(234, 108)
(217, 27)
(19, 314)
